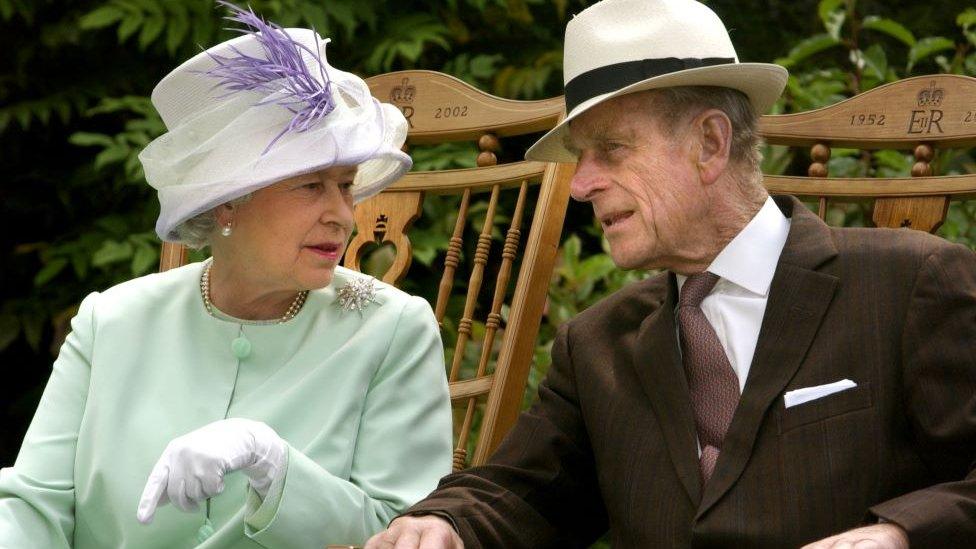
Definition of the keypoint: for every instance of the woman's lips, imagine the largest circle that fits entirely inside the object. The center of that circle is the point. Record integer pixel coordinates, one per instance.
(327, 251)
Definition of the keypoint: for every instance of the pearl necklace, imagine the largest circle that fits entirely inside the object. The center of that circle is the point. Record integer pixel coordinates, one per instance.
(293, 309)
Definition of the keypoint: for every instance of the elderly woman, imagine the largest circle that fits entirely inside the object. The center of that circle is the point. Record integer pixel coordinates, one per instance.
(264, 398)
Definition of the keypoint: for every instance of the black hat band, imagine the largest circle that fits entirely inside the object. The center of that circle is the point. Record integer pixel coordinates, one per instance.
(613, 77)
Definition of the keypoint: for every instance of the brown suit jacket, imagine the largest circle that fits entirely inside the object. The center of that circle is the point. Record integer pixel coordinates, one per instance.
(611, 442)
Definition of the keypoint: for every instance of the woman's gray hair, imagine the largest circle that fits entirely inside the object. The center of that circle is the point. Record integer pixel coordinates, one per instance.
(672, 106)
(197, 231)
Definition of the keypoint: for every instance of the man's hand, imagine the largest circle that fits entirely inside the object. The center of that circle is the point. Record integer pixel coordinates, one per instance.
(423, 532)
(876, 536)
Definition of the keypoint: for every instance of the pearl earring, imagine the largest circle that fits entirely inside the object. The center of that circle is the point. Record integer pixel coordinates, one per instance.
(226, 230)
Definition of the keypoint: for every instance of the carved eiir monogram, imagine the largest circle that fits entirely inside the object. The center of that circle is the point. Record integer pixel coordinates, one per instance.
(929, 116)
(379, 230)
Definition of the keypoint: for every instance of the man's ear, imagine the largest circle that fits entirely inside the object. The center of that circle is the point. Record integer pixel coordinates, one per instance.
(714, 131)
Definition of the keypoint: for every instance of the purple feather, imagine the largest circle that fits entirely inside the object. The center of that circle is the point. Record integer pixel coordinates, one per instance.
(282, 71)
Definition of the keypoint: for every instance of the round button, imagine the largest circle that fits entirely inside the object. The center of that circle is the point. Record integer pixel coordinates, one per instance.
(241, 347)
(205, 531)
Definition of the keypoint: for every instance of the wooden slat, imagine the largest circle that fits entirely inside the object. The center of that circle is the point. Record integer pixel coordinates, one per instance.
(961, 187)
(505, 176)
(936, 109)
(171, 256)
(440, 108)
(469, 388)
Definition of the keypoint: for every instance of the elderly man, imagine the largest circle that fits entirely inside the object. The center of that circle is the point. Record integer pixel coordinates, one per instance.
(783, 383)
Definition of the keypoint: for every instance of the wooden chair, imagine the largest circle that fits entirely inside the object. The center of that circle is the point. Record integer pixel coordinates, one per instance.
(440, 109)
(920, 114)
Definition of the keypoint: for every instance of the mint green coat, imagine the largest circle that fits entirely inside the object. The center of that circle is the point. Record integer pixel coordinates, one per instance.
(361, 400)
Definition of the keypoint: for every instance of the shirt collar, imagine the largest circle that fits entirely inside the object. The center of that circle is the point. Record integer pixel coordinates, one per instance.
(750, 259)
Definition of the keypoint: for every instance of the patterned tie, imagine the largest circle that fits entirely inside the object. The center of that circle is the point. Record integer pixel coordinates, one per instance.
(713, 384)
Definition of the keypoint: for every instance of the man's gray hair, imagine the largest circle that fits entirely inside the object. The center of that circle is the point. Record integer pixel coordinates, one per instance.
(682, 102)
(197, 231)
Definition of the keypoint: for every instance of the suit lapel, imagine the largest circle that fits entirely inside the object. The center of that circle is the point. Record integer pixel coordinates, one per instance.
(657, 361)
(798, 300)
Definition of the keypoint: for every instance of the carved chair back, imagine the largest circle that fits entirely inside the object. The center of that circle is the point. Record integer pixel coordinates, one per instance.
(501, 246)
(924, 114)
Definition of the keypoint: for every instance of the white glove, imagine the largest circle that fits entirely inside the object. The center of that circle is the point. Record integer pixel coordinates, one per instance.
(193, 466)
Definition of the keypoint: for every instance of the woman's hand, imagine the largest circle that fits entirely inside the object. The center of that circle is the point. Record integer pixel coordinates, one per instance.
(193, 466)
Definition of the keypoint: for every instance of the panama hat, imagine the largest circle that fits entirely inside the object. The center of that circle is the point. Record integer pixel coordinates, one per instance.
(616, 47)
(259, 108)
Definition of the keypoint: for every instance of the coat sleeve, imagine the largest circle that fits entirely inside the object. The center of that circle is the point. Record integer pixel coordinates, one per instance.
(403, 447)
(939, 353)
(37, 494)
(540, 487)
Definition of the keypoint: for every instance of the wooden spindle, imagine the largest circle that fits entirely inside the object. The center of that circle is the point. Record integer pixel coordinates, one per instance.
(474, 284)
(819, 155)
(488, 144)
(460, 454)
(501, 287)
(923, 158)
(452, 260)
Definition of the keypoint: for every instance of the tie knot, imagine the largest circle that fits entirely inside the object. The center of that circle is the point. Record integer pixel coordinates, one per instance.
(695, 288)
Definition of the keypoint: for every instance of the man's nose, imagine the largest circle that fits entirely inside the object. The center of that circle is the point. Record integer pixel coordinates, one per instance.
(588, 180)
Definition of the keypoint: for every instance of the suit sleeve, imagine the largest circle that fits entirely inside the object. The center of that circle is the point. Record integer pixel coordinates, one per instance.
(37, 494)
(939, 354)
(402, 449)
(540, 488)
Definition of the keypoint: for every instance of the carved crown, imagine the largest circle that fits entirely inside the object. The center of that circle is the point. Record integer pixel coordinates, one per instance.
(931, 96)
(403, 93)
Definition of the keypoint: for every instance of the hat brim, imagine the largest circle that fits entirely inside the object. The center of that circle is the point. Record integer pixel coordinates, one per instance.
(763, 83)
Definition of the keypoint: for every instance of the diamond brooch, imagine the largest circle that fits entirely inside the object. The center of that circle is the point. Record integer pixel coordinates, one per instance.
(357, 294)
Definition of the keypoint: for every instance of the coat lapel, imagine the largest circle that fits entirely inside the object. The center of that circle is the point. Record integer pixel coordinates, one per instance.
(657, 360)
(798, 300)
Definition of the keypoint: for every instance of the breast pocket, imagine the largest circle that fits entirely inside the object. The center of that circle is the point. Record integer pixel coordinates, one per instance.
(843, 402)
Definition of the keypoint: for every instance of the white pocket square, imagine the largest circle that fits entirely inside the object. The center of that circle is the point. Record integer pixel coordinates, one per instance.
(806, 394)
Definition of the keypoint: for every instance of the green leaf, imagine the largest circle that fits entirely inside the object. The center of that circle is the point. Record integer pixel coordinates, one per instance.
(49, 271)
(889, 27)
(86, 139)
(926, 47)
(144, 259)
(176, 30)
(342, 13)
(827, 7)
(9, 330)
(808, 47)
(835, 22)
(129, 26)
(111, 155)
(876, 62)
(113, 224)
(101, 17)
(33, 326)
(112, 251)
(966, 20)
(151, 30)
(79, 262)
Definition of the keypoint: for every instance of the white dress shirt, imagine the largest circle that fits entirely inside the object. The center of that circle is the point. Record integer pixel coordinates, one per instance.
(735, 307)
